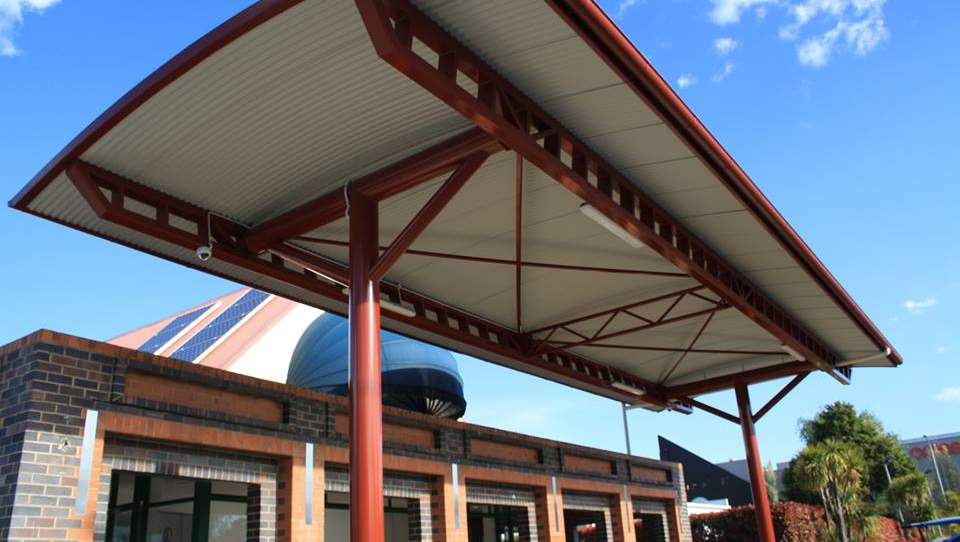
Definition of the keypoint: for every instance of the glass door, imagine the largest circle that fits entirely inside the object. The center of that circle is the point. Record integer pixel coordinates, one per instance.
(146, 508)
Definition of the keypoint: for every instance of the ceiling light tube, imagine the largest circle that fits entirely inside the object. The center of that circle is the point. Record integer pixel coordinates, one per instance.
(610, 225)
(395, 308)
(793, 353)
(629, 388)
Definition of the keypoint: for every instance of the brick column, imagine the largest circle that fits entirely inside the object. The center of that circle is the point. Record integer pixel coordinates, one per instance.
(621, 512)
(443, 505)
(550, 517)
(291, 501)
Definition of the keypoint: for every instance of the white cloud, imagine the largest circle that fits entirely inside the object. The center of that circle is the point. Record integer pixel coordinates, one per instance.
(858, 24)
(727, 70)
(949, 394)
(686, 80)
(729, 11)
(11, 17)
(725, 46)
(943, 349)
(624, 6)
(761, 13)
(916, 307)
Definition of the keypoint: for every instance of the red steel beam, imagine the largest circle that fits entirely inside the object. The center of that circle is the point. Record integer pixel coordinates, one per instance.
(693, 342)
(758, 482)
(430, 316)
(504, 261)
(518, 241)
(779, 396)
(754, 376)
(712, 410)
(366, 399)
(669, 349)
(636, 329)
(422, 167)
(614, 310)
(425, 216)
(497, 108)
(598, 31)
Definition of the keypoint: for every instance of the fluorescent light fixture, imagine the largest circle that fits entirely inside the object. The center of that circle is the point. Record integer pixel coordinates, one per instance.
(792, 353)
(610, 225)
(395, 308)
(628, 388)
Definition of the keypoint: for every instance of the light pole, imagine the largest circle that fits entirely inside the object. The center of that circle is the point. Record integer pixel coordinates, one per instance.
(626, 427)
(886, 469)
(936, 468)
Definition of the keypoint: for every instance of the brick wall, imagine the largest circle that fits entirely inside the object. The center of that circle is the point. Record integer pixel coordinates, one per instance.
(50, 379)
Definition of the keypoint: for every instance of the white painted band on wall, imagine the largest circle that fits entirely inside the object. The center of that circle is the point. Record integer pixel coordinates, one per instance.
(456, 496)
(86, 460)
(308, 486)
(556, 506)
(626, 507)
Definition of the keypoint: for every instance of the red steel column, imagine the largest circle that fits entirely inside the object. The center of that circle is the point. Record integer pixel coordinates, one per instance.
(366, 410)
(758, 483)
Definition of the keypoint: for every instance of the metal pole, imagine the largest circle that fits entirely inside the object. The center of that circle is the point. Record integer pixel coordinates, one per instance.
(886, 469)
(366, 410)
(936, 467)
(626, 428)
(758, 484)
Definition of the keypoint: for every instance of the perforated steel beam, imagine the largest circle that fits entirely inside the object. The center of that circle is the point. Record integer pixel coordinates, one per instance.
(503, 111)
(108, 196)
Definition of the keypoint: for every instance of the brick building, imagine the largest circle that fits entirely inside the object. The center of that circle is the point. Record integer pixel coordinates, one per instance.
(102, 442)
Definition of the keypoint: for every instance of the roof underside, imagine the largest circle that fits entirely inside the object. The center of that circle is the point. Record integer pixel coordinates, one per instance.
(301, 104)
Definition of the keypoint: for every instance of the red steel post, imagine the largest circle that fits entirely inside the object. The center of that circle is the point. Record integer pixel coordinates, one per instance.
(366, 410)
(758, 484)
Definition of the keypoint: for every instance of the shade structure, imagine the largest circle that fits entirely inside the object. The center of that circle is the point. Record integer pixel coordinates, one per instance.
(416, 376)
(290, 101)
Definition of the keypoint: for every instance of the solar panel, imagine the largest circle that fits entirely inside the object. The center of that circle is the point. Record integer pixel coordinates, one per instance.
(169, 331)
(219, 326)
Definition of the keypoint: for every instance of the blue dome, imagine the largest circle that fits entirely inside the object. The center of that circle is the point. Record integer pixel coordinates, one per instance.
(416, 376)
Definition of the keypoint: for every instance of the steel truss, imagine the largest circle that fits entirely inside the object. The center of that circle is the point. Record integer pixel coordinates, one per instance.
(511, 117)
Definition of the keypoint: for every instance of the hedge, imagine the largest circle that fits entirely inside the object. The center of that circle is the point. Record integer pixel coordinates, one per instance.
(792, 522)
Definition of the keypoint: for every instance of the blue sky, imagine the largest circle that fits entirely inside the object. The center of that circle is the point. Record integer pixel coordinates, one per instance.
(842, 111)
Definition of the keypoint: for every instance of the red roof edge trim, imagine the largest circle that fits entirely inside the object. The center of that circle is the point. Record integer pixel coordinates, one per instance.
(603, 35)
(234, 27)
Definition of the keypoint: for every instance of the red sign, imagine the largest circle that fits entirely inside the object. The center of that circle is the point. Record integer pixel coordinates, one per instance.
(944, 448)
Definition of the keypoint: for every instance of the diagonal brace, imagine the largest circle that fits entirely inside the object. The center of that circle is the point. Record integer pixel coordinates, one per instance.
(425, 216)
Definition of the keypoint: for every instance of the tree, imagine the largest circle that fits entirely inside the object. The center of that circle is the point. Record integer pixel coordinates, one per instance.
(770, 477)
(841, 422)
(832, 469)
(910, 494)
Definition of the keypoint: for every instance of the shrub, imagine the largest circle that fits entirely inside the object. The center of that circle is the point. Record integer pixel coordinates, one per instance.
(792, 522)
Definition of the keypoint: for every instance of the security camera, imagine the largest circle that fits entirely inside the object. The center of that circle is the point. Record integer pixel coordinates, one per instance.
(204, 252)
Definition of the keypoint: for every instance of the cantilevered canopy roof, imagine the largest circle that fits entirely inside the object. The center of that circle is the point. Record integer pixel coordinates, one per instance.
(539, 123)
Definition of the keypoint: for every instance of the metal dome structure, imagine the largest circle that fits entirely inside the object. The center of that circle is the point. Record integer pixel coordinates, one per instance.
(416, 376)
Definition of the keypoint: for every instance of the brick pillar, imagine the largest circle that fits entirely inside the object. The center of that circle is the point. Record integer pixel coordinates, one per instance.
(556, 530)
(621, 512)
(291, 501)
(51, 388)
(549, 518)
(444, 524)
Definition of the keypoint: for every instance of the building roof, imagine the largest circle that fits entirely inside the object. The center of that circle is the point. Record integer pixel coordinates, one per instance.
(290, 100)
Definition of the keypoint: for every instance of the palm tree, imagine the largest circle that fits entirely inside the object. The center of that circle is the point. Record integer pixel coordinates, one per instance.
(832, 468)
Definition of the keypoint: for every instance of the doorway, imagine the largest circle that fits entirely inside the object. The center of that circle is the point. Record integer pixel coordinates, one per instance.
(149, 508)
(493, 523)
(650, 527)
(585, 525)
